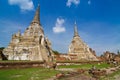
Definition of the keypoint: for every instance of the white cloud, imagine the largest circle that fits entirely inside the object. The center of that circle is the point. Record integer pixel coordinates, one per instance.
(59, 26)
(70, 2)
(89, 2)
(23, 4)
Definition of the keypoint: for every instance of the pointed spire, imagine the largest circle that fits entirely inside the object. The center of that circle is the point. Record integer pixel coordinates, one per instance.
(19, 33)
(37, 16)
(75, 30)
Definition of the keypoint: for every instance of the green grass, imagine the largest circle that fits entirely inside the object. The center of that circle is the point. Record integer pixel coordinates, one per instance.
(86, 66)
(27, 74)
(40, 73)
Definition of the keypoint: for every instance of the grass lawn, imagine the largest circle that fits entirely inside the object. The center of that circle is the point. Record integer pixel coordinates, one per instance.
(86, 66)
(40, 73)
(27, 74)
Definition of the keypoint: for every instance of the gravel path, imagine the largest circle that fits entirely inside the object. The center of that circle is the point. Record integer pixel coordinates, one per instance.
(78, 77)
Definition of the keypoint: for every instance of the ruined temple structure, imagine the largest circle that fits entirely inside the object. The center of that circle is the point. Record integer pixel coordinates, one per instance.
(31, 45)
(78, 50)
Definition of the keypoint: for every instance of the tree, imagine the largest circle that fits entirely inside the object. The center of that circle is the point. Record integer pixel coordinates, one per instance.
(56, 52)
(1, 48)
(118, 53)
(3, 57)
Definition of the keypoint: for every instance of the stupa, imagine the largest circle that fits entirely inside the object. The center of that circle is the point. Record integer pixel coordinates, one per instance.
(79, 50)
(32, 45)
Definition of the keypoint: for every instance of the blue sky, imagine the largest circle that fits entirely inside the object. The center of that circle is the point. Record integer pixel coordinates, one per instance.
(98, 21)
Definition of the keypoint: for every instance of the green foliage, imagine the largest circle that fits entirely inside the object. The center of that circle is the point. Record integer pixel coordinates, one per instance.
(1, 48)
(27, 74)
(56, 52)
(2, 56)
(118, 53)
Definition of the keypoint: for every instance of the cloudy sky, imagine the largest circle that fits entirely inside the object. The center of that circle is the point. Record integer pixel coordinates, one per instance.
(98, 21)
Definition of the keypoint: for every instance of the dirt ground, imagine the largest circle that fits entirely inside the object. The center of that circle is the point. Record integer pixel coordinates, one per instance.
(78, 77)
